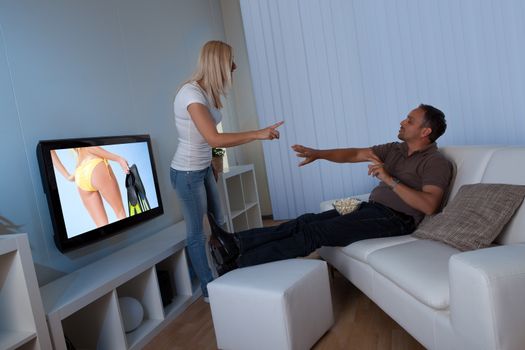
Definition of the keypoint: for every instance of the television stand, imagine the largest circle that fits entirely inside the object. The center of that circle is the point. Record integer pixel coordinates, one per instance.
(83, 305)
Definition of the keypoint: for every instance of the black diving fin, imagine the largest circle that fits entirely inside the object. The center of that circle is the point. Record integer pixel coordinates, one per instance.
(137, 200)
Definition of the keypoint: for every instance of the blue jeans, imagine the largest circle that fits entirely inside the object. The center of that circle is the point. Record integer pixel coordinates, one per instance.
(301, 236)
(198, 194)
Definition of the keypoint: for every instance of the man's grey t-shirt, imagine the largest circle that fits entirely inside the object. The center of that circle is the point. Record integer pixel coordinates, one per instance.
(424, 167)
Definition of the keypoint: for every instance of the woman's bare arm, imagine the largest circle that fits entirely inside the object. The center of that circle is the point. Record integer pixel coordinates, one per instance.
(204, 122)
(60, 167)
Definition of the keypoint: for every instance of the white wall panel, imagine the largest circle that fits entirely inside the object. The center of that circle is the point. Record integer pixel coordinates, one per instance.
(344, 73)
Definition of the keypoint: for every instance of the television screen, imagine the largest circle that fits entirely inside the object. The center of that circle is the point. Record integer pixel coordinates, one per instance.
(96, 187)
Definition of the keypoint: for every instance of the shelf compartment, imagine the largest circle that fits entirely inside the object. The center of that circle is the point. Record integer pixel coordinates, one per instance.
(15, 340)
(7, 245)
(30, 345)
(253, 215)
(96, 326)
(16, 315)
(179, 279)
(249, 187)
(235, 193)
(240, 223)
(250, 205)
(144, 287)
(144, 330)
(236, 213)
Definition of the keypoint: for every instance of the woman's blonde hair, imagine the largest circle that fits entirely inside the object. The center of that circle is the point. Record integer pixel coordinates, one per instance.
(214, 70)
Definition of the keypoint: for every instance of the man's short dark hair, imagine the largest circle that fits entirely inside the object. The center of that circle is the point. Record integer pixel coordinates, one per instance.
(435, 120)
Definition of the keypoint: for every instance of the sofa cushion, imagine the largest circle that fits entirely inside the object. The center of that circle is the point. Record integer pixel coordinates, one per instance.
(360, 250)
(497, 171)
(475, 217)
(419, 267)
(469, 164)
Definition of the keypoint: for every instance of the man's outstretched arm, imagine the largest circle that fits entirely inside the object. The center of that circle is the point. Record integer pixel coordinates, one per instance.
(427, 200)
(339, 155)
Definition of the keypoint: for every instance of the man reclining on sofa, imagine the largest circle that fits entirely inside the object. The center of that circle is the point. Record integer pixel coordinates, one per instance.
(414, 177)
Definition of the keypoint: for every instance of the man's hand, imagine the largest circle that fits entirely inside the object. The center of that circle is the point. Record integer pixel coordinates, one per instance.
(377, 170)
(309, 154)
(427, 200)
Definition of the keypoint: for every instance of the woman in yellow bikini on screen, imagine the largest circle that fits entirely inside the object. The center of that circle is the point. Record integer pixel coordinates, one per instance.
(95, 180)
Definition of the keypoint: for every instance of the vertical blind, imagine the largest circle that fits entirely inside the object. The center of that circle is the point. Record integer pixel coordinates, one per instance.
(344, 73)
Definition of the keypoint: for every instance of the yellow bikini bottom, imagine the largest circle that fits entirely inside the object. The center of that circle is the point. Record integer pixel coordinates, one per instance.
(85, 170)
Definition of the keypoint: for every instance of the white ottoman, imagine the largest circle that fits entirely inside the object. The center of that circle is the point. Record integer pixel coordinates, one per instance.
(280, 305)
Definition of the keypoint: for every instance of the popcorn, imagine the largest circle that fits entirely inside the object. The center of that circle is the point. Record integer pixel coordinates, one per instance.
(346, 205)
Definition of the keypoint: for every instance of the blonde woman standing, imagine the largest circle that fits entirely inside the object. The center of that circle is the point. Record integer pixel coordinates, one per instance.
(197, 108)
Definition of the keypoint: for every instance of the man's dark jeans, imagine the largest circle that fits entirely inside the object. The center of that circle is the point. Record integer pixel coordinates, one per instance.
(301, 236)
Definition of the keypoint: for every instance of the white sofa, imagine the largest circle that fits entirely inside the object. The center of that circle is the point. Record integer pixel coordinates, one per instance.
(445, 298)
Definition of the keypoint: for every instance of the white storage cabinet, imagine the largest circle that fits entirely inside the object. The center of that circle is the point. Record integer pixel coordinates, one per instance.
(22, 318)
(238, 191)
(83, 305)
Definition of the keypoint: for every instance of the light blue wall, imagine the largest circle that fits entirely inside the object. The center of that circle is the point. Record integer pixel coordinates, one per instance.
(91, 68)
(344, 73)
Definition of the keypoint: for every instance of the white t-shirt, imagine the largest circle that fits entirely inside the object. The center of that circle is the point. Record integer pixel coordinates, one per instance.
(193, 152)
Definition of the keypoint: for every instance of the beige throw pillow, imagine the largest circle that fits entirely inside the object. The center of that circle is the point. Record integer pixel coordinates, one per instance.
(475, 217)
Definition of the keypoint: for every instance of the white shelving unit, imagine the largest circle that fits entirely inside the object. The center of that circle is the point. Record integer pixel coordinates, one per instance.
(83, 306)
(238, 191)
(22, 318)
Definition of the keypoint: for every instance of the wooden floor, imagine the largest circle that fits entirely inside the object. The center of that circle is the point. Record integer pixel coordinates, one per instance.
(359, 324)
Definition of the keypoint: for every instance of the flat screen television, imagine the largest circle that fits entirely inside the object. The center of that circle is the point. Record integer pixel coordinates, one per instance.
(96, 187)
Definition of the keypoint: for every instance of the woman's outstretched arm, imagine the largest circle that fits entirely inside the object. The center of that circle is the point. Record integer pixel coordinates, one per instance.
(204, 122)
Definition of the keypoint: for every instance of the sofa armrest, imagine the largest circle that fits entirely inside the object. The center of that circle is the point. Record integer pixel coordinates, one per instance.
(327, 205)
(487, 297)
